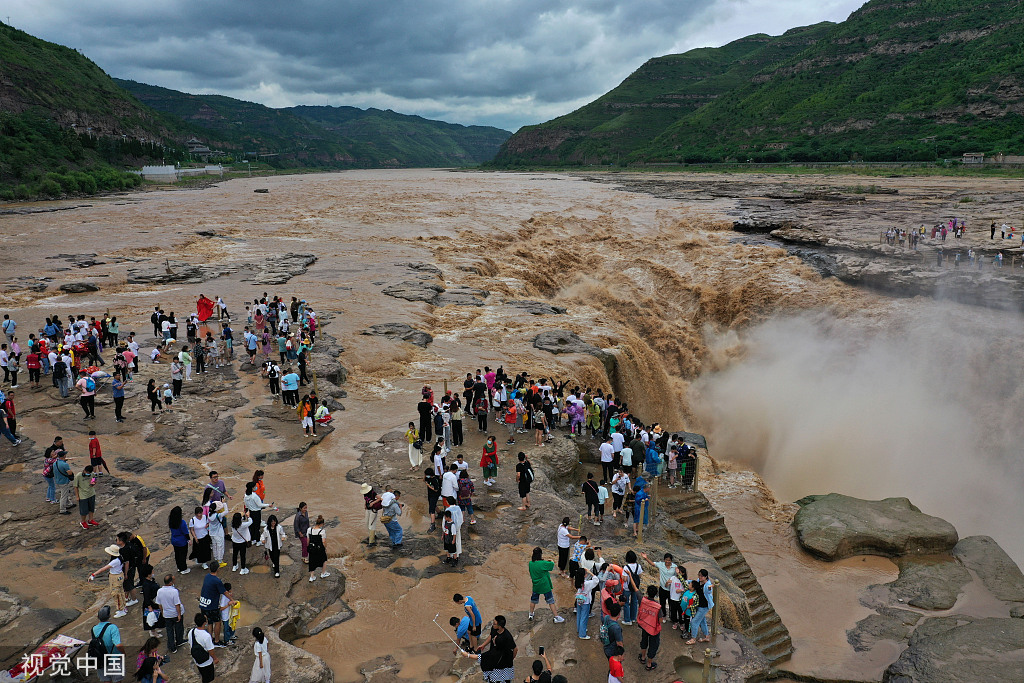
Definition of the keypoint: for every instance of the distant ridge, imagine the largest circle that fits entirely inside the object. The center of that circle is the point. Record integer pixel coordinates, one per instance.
(898, 80)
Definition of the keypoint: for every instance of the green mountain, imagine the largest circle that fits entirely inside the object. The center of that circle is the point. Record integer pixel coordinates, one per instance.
(324, 136)
(65, 127)
(898, 80)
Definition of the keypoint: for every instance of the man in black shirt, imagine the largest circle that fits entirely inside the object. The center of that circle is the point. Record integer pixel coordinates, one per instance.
(503, 650)
(425, 408)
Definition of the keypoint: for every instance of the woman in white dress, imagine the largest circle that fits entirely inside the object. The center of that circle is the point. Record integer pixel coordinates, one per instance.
(261, 665)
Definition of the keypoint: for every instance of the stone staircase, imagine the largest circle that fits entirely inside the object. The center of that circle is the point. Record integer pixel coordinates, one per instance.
(766, 631)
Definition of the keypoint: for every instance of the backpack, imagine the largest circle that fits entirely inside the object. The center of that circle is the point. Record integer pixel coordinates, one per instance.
(90, 384)
(96, 648)
(198, 653)
(603, 634)
(48, 467)
(529, 471)
(60, 370)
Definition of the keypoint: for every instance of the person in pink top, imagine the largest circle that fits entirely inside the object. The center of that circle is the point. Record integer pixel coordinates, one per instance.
(87, 399)
(489, 377)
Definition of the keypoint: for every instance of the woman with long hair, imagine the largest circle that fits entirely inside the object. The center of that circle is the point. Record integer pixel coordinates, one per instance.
(273, 537)
(240, 540)
(179, 539)
(202, 544)
(317, 550)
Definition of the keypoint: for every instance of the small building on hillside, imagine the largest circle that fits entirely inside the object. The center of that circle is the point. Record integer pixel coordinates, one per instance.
(198, 149)
(160, 174)
(973, 158)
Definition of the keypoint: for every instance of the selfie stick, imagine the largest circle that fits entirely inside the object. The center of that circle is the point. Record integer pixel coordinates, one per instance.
(445, 632)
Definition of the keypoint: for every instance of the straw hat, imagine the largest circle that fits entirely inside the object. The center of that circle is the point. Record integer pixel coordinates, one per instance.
(365, 488)
(112, 550)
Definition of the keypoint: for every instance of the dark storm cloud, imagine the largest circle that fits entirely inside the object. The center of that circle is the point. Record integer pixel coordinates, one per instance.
(473, 61)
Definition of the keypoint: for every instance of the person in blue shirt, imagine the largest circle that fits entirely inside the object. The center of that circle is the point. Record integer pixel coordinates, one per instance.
(209, 599)
(290, 388)
(640, 497)
(118, 390)
(473, 614)
(462, 632)
(109, 634)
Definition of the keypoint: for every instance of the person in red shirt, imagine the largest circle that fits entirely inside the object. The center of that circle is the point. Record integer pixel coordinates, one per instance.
(8, 406)
(615, 672)
(649, 620)
(34, 365)
(96, 454)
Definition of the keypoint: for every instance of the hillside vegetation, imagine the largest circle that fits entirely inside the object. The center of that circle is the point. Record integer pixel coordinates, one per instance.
(67, 128)
(899, 80)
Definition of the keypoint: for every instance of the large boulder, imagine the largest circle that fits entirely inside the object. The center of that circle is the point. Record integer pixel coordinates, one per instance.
(79, 287)
(1001, 575)
(836, 526)
(989, 650)
(929, 585)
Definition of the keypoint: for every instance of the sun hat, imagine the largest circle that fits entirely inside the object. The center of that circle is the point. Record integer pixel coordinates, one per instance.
(365, 488)
(112, 550)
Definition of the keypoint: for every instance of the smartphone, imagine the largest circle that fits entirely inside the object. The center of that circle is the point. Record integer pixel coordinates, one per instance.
(540, 650)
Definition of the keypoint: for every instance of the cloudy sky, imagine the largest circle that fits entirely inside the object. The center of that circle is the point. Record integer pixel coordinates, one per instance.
(504, 63)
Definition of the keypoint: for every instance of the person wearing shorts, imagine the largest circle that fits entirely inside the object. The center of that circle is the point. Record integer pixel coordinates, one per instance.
(540, 576)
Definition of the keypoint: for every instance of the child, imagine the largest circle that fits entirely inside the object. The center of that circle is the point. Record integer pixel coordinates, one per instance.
(229, 611)
(96, 454)
(673, 466)
(675, 594)
(602, 496)
(576, 554)
(615, 673)
(155, 355)
(168, 396)
(688, 603)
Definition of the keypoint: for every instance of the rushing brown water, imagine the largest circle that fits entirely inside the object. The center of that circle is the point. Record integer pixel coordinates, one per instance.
(818, 386)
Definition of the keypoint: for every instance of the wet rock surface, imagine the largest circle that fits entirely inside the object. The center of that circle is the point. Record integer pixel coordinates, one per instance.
(274, 270)
(835, 526)
(933, 585)
(964, 654)
(78, 287)
(412, 290)
(1001, 575)
(400, 331)
(896, 625)
(537, 307)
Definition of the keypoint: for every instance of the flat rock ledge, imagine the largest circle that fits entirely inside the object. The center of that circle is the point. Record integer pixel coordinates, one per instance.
(835, 526)
(400, 331)
(964, 654)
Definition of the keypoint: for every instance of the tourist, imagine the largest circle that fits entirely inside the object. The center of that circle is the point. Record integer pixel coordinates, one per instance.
(177, 375)
(465, 494)
(87, 398)
(63, 479)
(150, 610)
(261, 665)
(650, 628)
(433, 483)
(273, 537)
(667, 571)
(705, 603)
(202, 544)
(96, 454)
(5, 430)
(153, 394)
(631, 573)
(610, 621)
(524, 478)
(511, 417)
(229, 612)
(448, 532)
(607, 458)
(168, 397)
(135, 555)
(116, 567)
(564, 540)
(391, 510)
(300, 525)
(218, 527)
(473, 614)
(62, 376)
(489, 460)
(457, 415)
(480, 410)
(149, 670)
(450, 482)
(412, 436)
(317, 550)
(50, 457)
(540, 576)
(254, 505)
(199, 640)
(586, 583)
(503, 645)
(591, 498)
(290, 388)
(455, 527)
(209, 599)
(117, 392)
(85, 494)
(110, 637)
(641, 506)
(173, 613)
(615, 672)
(241, 539)
(179, 539)
(372, 506)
